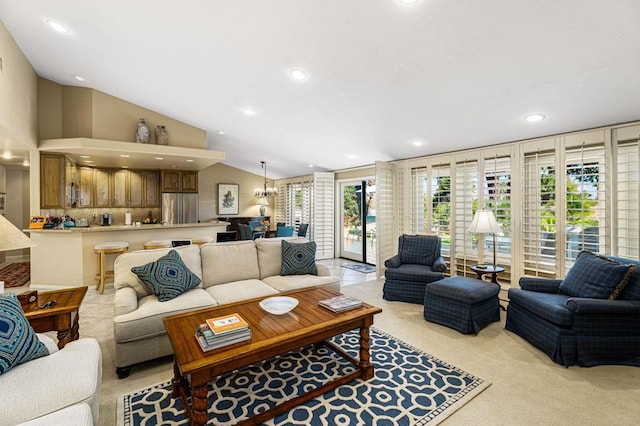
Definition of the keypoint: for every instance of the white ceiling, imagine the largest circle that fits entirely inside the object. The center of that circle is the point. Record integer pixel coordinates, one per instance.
(455, 74)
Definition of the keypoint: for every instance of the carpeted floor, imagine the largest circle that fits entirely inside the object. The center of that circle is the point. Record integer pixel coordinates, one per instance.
(410, 387)
(15, 274)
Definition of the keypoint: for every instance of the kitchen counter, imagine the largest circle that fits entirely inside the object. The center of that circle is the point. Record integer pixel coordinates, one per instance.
(111, 228)
(65, 257)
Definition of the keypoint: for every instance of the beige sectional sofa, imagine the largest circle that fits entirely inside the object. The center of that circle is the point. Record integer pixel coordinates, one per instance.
(230, 272)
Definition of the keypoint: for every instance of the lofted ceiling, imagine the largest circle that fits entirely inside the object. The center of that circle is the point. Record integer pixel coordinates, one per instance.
(381, 74)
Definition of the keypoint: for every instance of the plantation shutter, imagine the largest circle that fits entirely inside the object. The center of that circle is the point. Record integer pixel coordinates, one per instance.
(627, 211)
(418, 216)
(280, 204)
(322, 201)
(539, 217)
(386, 215)
(497, 198)
(465, 203)
(439, 205)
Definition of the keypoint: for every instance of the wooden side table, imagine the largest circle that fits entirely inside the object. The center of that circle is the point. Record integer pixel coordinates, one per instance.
(481, 270)
(61, 317)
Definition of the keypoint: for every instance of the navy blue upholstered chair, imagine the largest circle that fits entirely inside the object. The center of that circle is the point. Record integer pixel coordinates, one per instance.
(589, 318)
(417, 263)
(302, 229)
(284, 231)
(245, 231)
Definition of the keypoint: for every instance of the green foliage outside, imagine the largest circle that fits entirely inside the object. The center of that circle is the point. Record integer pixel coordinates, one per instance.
(351, 208)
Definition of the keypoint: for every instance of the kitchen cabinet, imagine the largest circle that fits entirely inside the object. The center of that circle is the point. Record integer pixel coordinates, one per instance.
(119, 193)
(102, 187)
(52, 177)
(179, 181)
(85, 187)
(136, 188)
(128, 188)
(152, 189)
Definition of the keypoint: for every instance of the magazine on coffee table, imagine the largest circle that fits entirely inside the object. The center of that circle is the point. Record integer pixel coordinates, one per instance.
(340, 303)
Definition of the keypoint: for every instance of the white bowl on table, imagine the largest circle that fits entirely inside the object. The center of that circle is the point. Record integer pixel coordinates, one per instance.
(279, 305)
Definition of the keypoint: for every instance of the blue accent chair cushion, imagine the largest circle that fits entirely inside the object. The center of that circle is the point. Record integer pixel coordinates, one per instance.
(284, 231)
(18, 341)
(298, 258)
(417, 263)
(575, 330)
(167, 277)
(596, 277)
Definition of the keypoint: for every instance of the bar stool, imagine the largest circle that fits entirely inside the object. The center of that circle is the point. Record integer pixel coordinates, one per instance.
(204, 239)
(156, 244)
(103, 249)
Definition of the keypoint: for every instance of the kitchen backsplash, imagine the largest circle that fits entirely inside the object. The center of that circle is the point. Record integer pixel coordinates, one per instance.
(117, 214)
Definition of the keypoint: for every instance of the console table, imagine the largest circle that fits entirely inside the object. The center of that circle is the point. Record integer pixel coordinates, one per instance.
(234, 221)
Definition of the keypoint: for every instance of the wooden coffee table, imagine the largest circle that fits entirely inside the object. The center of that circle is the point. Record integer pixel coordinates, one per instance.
(272, 335)
(61, 317)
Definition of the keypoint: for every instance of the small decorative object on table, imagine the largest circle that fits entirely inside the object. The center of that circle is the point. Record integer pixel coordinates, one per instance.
(265, 225)
(340, 303)
(162, 135)
(279, 305)
(28, 299)
(142, 131)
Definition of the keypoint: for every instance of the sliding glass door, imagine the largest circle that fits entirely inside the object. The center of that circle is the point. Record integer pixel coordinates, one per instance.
(358, 220)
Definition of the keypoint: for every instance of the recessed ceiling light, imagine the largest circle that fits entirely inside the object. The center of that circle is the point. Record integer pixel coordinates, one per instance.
(534, 117)
(409, 2)
(85, 156)
(311, 165)
(25, 163)
(89, 161)
(159, 158)
(7, 155)
(298, 74)
(352, 156)
(220, 132)
(125, 167)
(417, 142)
(189, 161)
(249, 111)
(80, 78)
(124, 155)
(57, 26)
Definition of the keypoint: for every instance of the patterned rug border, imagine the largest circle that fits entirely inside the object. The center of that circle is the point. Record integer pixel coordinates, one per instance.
(16, 274)
(441, 413)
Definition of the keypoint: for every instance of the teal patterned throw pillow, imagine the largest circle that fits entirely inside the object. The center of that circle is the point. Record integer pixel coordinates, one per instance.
(18, 341)
(298, 259)
(167, 277)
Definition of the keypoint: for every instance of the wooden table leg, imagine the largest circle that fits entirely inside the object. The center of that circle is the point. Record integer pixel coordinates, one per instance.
(199, 401)
(176, 381)
(365, 364)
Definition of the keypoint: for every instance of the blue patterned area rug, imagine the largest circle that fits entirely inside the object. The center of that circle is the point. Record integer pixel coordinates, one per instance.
(360, 267)
(410, 387)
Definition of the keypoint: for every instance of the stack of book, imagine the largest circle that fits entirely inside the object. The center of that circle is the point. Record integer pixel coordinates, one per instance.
(222, 331)
(340, 303)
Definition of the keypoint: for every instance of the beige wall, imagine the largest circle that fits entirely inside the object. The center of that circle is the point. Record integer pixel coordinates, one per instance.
(18, 86)
(208, 180)
(362, 173)
(70, 112)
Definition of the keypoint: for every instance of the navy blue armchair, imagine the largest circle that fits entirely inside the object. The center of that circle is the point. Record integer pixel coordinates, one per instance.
(582, 329)
(417, 263)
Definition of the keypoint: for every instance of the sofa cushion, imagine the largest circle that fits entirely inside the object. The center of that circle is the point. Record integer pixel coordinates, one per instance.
(167, 277)
(298, 258)
(146, 321)
(293, 282)
(270, 254)
(413, 272)
(240, 290)
(632, 290)
(419, 249)
(596, 277)
(551, 307)
(76, 415)
(123, 277)
(18, 341)
(227, 262)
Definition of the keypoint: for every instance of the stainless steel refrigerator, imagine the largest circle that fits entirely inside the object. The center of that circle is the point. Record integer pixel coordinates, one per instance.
(179, 207)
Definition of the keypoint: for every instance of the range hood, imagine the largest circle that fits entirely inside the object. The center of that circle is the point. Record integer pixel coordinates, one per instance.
(106, 153)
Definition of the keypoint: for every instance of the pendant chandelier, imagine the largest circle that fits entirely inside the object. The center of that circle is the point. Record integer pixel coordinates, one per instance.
(265, 191)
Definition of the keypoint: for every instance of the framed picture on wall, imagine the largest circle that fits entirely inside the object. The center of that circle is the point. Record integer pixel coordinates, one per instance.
(227, 198)
(3, 200)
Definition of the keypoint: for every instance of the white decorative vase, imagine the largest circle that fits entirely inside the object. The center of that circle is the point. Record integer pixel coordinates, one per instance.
(162, 136)
(142, 131)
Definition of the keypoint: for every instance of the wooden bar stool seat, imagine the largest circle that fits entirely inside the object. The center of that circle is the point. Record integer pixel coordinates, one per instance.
(204, 239)
(157, 244)
(103, 249)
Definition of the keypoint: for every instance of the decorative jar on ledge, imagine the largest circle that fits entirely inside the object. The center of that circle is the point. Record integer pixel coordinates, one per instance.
(162, 136)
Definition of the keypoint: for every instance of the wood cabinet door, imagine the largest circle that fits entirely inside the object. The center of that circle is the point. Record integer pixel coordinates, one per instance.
(51, 181)
(152, 189)
(136, 188)
(119, 188)
(102, 188)
(171, 181)
(190, 181)
(86, 187)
